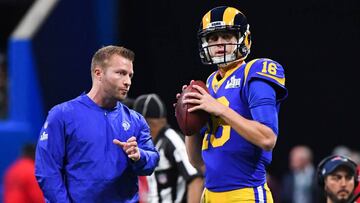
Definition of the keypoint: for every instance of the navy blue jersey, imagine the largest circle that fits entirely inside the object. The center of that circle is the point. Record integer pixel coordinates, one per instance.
(76, 160)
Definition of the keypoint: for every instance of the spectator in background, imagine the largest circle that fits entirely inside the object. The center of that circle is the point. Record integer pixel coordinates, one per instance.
(299, 184)
(337, 176)
(342, 150)
(354, 155)
(3, 87)
(176, 180)
(20, 185)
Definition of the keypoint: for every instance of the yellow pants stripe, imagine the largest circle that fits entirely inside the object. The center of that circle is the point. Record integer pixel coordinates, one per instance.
(261, 194)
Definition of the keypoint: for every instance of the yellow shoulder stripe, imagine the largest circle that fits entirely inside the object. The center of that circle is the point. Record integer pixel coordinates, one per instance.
(247, 69)
(207, 79)
(279, 80)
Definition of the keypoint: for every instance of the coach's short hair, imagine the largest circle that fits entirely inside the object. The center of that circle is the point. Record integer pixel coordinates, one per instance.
(102, 56)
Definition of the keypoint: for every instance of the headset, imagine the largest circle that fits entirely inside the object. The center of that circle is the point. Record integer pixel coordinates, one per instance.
(321, 177)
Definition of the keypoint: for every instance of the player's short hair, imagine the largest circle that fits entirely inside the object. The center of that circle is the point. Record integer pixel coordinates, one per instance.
(102, 56)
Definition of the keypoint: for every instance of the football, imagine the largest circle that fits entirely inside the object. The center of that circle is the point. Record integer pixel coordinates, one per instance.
(190, 122)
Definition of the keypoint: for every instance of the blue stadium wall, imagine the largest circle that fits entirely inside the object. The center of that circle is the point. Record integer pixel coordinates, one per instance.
(51, 67)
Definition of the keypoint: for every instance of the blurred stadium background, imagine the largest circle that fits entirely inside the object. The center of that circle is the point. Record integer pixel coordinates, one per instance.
(48, 45)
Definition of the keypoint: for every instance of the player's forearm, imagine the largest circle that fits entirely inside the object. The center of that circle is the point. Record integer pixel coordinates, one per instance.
(253, 131)
(193, 148)
(194, 190)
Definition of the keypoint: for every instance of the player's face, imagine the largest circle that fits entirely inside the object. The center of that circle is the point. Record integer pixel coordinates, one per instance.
(339, 185)
(217, 42)
(117, 77)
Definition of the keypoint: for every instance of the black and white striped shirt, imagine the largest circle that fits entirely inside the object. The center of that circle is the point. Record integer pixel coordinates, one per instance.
(174, 171)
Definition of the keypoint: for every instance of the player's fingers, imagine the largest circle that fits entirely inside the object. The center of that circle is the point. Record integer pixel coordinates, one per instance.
(134, 157)
(200, 89)
(195, 108)
(192, 101)
(192, 95)
(132, 144)
(183, 87)
(131, 139)
(134, 153)
(131, 150)
(119, 143)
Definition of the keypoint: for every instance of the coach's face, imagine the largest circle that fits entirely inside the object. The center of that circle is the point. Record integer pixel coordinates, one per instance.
(117, 77)
(339, 185)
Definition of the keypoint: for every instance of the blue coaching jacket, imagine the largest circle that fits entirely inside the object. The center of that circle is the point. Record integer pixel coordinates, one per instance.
(76, 160)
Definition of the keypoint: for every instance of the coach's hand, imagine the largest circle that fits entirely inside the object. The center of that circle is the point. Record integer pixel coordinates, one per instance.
(130, 147)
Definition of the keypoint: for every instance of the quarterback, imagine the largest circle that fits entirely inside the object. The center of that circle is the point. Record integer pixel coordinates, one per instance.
(244, 98)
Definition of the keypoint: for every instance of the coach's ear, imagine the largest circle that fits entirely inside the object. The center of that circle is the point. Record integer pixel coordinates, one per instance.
(98, 73)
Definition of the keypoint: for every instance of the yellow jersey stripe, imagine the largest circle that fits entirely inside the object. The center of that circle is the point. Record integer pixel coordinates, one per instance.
(269, 198)
(215, 84)
(239, 195)
(247, 69)
(279, 80)
(207, 79)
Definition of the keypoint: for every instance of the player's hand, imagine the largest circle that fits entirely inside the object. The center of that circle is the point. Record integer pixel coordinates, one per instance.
(204, 101)
(130, 147)
(179, 94)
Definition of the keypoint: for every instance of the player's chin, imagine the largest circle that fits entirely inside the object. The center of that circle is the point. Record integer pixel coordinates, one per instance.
(343, 195)
(122, 96)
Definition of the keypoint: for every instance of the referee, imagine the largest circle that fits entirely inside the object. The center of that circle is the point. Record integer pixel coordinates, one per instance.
(174, 179)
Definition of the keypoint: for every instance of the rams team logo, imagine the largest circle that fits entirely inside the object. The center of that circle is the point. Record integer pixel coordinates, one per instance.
(44, 136)
(125, 125)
